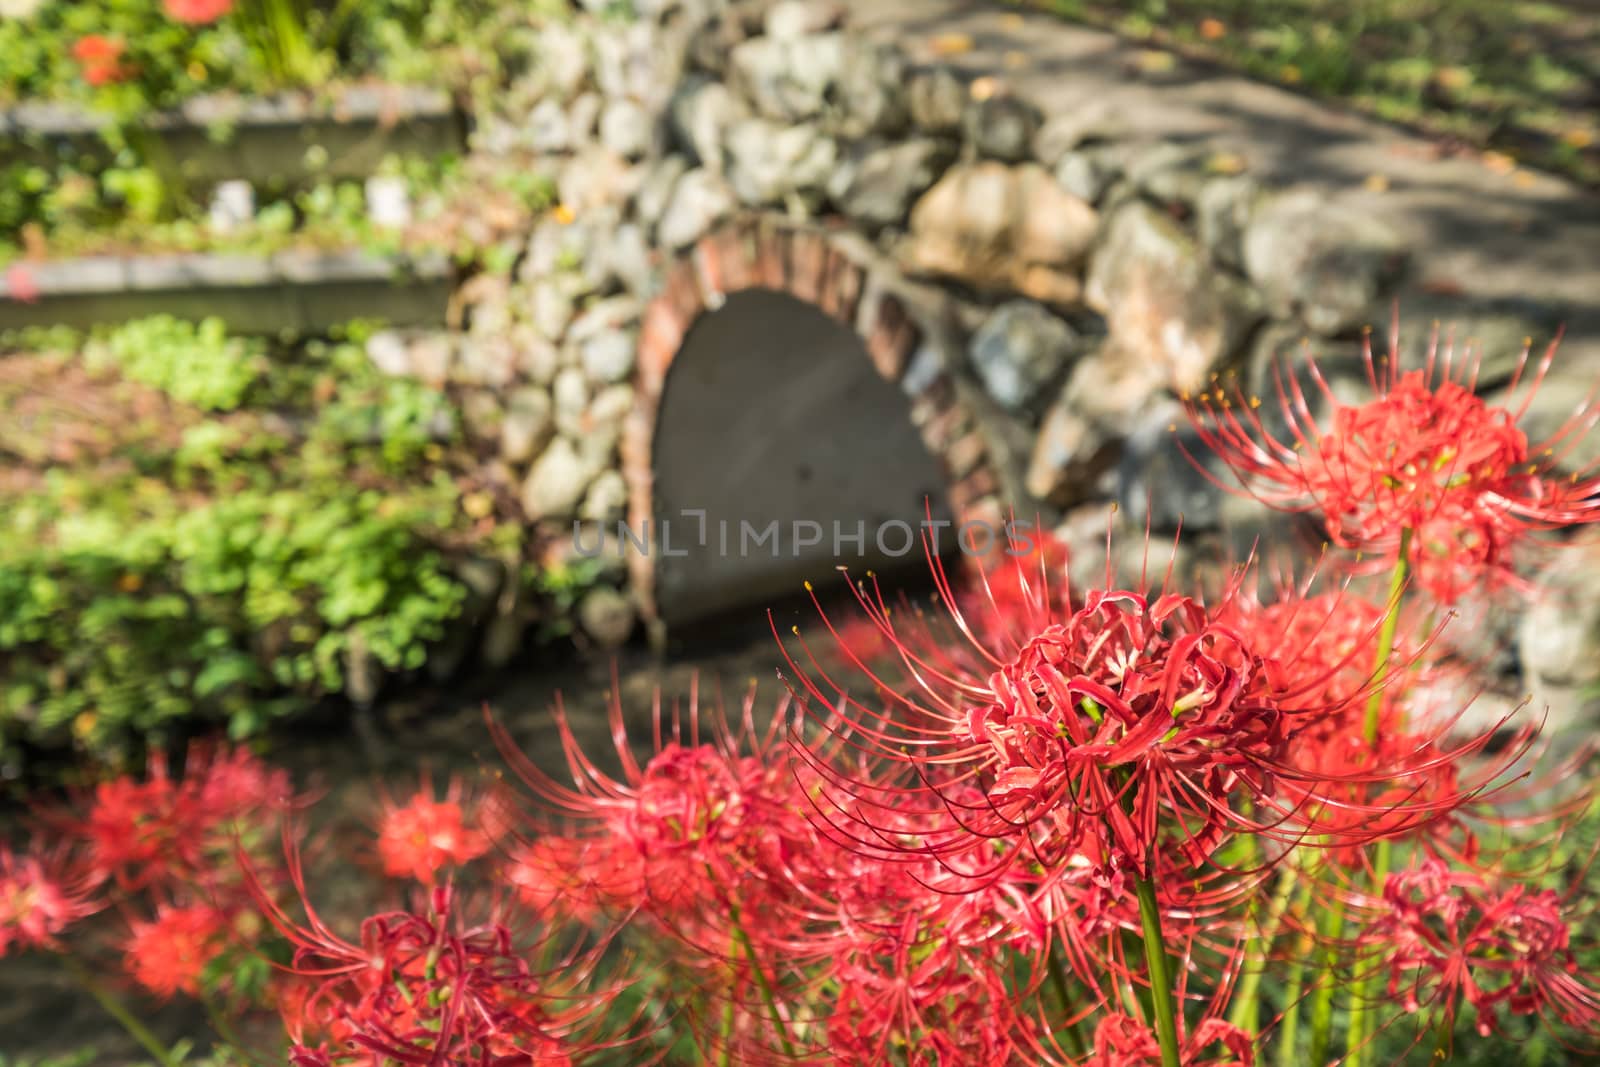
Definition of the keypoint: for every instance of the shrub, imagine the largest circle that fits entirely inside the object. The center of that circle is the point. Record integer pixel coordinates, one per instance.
(231, 568)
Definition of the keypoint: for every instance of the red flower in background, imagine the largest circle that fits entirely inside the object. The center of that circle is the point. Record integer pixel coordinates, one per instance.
(698, 825)
(1426, 459)
(21, 284)
(167, 955)
(40, 896)
(197, 12)
(1452, 937)
(425, 836)
(167, 831)
(101, 59)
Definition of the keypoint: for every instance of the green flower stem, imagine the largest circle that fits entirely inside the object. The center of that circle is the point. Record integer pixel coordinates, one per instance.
(725, 1043)
(768, 993)
(115, 1008)
(1443, 1039)
(1289, 1031)
(1058, 978)
(1155, 956)
(1245, 1012)
(1362, 992)
(1391, 620)
(1332, 929)
(1361, 996)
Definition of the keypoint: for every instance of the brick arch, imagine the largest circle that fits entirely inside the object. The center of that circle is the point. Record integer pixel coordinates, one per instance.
(812, 266)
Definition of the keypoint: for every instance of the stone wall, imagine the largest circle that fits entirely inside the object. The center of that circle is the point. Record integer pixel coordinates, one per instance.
(1045, 287)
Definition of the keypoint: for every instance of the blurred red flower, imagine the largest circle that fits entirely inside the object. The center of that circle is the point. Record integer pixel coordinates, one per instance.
(198, 12)
(167, 955)
(1426, 462)
(40, 896)
(420, 838)
(101, 59)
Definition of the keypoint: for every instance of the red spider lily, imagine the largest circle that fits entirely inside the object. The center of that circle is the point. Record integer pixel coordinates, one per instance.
(584, 879)
(139, 832)
(426, 987)
(168, 954)
(1426, 455)
(936, 1013)
(1452, 937)
(425, 836)
(1123, 1041)
(41, 896)
(197, 12)
(101, 59)
(165, 830)
(701, 824)
(1131, 730)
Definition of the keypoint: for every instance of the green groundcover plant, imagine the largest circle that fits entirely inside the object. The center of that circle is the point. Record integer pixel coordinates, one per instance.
(287, 514)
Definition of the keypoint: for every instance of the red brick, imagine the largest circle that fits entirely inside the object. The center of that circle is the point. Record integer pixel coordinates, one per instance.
(660, 336)
(934, 397)
(772, 258)
(843, 289)
(724, 261)
(985, 510)
(965, 453)
(682, 292)
(891, 338)
(967, 492)
(941, 429)
(808, 266)
(638, 433)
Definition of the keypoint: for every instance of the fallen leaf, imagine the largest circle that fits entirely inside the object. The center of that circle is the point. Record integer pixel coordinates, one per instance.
(984, 88)
(1212, 29)
(951, 44)
(1499, 162)
(1154, 61)
(1376, 183)
(1225, 163)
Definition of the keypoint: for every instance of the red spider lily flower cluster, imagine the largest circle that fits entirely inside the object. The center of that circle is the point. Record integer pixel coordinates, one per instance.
(160, 832)
(1449, 938)
(101, 59)
(424, 836)
(1131, 731)
(1042, 824)
(711, 843)
(427, 987)
(197, 12)
(699, 818)
(1426, 459)
(157, 851)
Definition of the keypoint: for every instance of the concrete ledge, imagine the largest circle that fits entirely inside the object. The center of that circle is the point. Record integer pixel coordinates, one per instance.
(299, 290)
(287, 138)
